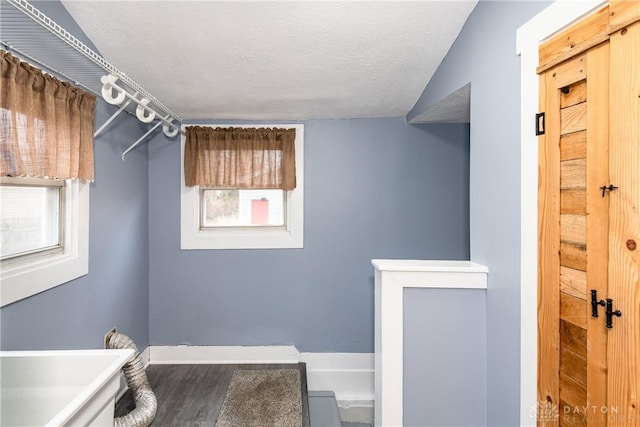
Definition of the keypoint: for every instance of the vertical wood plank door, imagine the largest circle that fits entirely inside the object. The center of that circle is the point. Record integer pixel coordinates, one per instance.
(589, 222)
(624, 231)
(573, 223)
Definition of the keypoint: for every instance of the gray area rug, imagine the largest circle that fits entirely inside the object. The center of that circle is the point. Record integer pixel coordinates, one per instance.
(265, 397)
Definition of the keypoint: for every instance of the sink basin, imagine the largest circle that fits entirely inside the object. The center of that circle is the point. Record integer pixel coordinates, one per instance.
(60, 388)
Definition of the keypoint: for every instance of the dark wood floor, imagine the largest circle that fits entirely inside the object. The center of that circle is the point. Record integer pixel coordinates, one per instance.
(192, 395)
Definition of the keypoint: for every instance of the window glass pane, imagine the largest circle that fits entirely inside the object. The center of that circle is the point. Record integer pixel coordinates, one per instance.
(242, 208)
(29, 219)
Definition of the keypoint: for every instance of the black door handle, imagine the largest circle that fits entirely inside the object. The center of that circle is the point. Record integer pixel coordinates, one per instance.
(595, 303)
(604, 188)
(610, 313)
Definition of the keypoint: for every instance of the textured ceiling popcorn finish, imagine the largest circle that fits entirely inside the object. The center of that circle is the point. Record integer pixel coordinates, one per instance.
(276, 60)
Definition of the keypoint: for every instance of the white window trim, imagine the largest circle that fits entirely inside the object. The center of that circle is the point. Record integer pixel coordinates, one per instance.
(21, 280)
(292, 236)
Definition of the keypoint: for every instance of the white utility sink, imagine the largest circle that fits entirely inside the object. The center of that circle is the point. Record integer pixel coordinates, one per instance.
(60, 388)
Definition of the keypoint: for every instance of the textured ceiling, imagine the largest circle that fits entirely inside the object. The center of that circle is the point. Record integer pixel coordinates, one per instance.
(276, 60)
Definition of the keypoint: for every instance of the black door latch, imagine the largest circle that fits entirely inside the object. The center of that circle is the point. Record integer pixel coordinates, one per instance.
(610, 313)
(595, 303)
(610, 187)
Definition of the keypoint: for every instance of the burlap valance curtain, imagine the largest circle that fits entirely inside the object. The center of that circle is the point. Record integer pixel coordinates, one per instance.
(240, 158)
(46, 125)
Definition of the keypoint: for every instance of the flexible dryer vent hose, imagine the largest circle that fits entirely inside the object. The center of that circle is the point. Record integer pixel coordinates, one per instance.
(145, 400)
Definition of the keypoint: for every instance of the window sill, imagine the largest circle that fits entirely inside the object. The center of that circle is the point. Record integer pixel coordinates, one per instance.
(223, 239)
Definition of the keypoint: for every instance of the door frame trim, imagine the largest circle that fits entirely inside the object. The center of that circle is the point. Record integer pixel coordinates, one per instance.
(554, 18)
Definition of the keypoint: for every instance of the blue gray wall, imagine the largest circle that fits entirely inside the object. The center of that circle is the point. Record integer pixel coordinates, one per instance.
(77, 314)
(445, 357)
(373, 189)
(484, 54)
(116, 290)
(398, 191)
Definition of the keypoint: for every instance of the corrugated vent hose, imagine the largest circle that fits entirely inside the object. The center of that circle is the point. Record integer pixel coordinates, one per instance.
(143, 396)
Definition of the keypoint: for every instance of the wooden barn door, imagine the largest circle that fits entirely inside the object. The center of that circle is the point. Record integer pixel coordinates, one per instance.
(572, 225)
(589, 222)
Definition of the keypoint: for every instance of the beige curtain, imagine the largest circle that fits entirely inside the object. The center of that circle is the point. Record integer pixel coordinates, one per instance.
(240, 158)
(46, 125)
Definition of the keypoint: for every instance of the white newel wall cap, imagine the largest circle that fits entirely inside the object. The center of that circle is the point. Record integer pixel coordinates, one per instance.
(428, 266)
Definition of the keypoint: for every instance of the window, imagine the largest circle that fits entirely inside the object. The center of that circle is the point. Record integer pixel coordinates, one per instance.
(31, 220)
(242, 208)
(44, 223)
(43, 234)
(228, 218)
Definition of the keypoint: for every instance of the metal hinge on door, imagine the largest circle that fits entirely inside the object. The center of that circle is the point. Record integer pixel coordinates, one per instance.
(539, 124)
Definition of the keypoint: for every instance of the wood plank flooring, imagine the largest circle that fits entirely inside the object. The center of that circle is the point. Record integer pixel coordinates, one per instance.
(192, 395)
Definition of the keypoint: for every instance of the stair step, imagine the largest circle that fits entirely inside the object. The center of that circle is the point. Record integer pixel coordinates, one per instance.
(323, 409)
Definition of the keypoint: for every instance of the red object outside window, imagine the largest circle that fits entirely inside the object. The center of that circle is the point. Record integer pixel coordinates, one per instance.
(259, 211)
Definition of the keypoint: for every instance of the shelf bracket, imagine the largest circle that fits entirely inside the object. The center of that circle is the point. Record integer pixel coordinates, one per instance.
(132, 146)
(113, 116)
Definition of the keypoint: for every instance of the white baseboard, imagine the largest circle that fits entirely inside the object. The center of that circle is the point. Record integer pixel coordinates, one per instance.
(349, 375)
(182, 354)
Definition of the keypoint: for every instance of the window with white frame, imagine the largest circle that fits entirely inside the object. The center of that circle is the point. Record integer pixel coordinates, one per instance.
(31, 217)
(44, 235)
(44, 221)
(219, 217)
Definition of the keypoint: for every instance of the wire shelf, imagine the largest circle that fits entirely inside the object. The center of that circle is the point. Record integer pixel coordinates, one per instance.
(27, 32)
